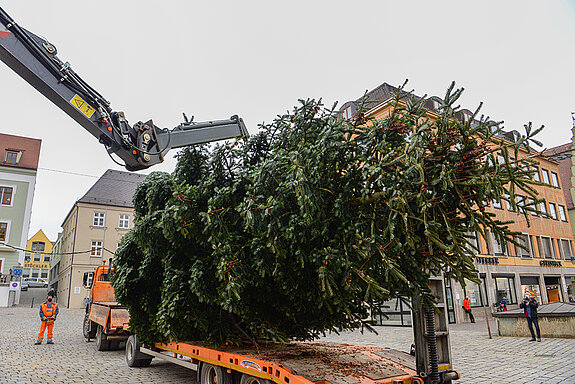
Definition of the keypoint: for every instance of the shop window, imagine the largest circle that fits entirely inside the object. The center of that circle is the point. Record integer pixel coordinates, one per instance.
(505, 290)
(545, 174)
(562, 213)
(546, 250)
(6, 195)
(99, 219)
(553, 211)
(554, 180)
(565, 249)
(96, 249)
(474, 292)
(530, 285)
(523, 240)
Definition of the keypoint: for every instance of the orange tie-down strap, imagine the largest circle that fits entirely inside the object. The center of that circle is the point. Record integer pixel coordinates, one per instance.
(306, 362)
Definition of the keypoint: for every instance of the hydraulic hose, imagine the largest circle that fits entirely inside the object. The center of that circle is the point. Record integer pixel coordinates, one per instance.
(432, 345)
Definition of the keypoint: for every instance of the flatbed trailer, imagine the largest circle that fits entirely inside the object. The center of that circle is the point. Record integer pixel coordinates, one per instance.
(292, 363)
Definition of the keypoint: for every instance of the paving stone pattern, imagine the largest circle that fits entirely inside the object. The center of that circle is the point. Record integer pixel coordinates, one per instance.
(72, 360)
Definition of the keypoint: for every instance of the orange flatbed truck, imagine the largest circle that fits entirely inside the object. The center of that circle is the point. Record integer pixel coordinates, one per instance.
(105, 320)
(291, 363)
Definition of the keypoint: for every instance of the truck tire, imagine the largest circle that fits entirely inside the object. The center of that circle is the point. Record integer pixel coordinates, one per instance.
(102, 343)
(212, 374)
(134, 357)
(88, 327)
(247, 379)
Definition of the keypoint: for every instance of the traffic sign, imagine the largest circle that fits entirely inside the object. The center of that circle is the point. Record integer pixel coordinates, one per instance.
(17, 271)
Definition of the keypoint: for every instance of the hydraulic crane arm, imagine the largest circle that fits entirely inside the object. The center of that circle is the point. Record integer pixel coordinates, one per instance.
(139, 146)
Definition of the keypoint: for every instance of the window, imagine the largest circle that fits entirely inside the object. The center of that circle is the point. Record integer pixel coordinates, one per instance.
(3, 231)
(35, 272)
(27, 257)
(473, 291)
(505, 290)
(554, 180)
(520, 203)
(46, 257)
(536, 174)
(38, 246)
(436, 104)
(508, 202)
(553, 211)
(497, 204)
(499, 245)
(12, 157)
(347, 112)
(532, 205)
(546, 250)
(124, 221)
(473, 242)
(96, 249)
(6, 195)
(562, 213)
(543, 208)
(25, 272)
(36, 257)
(523, 239)
(565, 249)
(43, 273)
(99, 219)
(545, 174)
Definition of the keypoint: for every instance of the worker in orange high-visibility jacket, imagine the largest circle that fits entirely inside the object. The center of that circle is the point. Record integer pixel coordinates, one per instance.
(48, 313)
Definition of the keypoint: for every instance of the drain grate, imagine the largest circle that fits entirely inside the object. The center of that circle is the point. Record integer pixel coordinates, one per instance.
(544, 355)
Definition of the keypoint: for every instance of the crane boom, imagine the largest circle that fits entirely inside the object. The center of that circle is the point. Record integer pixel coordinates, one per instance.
(140, 145)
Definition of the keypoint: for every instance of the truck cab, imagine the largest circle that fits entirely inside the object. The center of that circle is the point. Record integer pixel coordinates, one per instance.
(105, 320)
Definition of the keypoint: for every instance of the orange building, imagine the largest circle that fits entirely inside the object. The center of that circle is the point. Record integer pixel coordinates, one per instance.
(546, 267)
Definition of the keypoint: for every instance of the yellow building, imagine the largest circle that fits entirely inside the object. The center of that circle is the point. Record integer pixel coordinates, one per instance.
(546, 267)
(37, 257)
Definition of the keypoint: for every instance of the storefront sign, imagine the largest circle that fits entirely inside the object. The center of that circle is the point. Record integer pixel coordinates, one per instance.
(486, 260)
(31, 264)
(549, 263)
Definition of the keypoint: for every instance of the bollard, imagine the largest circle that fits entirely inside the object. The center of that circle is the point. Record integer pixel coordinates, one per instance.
(32, 305)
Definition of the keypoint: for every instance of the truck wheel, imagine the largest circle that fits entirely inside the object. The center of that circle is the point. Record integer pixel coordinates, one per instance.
(212, 374)
(102, 343)
(134, 357)
(247, 379)
(89, 327)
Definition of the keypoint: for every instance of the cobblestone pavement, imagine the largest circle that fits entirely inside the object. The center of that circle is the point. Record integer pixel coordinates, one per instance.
(71, 360)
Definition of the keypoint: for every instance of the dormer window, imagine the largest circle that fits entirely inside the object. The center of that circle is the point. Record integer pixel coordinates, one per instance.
(436, 104)
(347, 112)
(12, 157)
(466, 117)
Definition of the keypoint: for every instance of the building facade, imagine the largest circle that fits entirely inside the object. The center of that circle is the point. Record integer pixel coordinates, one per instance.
(546, 267)
(19, 158)
(92, 231)
(55, 264)
(37, 257)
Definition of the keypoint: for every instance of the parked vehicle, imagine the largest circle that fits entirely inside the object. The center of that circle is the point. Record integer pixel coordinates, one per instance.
(23, 285)
(35, 282)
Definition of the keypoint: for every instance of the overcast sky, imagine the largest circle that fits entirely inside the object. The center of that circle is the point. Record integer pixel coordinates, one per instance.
(214, 59)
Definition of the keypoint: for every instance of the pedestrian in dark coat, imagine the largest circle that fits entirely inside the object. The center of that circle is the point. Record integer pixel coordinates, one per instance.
(529, 306)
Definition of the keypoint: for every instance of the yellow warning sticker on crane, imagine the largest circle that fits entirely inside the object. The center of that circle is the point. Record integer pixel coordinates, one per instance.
(82, 106)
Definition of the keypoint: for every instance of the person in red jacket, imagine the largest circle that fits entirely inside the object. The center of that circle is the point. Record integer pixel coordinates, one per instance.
(48, 312)
(467, 307)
